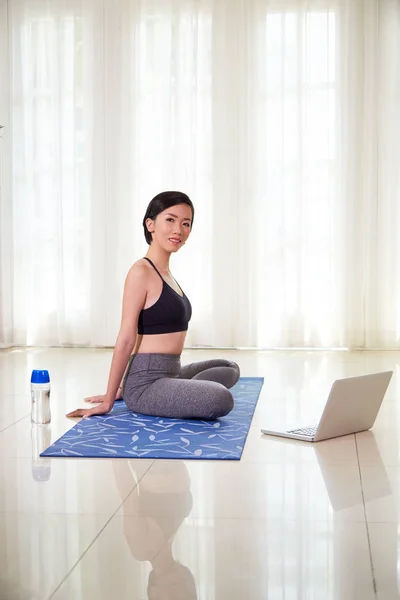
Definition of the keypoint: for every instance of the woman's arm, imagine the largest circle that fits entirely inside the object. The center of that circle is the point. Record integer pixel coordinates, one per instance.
(135, 292)
(101, 397)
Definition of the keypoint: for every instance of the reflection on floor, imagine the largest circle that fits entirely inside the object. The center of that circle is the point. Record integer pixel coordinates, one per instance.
(291, 520)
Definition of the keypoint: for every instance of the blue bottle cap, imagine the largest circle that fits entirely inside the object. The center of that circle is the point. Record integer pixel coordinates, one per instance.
(40, 376)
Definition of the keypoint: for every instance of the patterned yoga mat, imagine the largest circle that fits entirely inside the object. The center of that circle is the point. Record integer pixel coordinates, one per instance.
(124, 434)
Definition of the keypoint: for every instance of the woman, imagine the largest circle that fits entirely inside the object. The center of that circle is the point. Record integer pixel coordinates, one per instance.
(155, 317)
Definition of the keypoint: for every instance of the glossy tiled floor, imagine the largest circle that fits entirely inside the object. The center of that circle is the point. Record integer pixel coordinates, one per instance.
(290, 521)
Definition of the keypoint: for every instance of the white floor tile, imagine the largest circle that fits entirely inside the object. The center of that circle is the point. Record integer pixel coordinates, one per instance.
(37, 551)
(235, 490)
(65, 486)
(385, 547)
(227, 559)
(290, 520)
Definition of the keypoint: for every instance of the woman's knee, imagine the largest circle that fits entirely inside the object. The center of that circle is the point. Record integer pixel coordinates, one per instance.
(224, 402)
(235, 372)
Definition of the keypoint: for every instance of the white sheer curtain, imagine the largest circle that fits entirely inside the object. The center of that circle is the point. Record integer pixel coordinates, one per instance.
(279, 119)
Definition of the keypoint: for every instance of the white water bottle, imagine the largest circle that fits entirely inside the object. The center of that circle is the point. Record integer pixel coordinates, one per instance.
(41, 439)
(40, 396)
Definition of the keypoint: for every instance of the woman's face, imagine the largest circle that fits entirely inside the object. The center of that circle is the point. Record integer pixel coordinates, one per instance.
(171, 228)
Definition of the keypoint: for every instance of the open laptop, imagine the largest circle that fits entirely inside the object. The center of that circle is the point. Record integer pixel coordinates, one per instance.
(352, 406)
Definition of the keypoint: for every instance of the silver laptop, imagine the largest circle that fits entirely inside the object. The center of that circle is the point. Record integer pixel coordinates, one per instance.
(352, 406)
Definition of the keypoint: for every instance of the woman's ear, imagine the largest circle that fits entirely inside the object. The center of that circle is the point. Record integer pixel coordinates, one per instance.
(150, 225)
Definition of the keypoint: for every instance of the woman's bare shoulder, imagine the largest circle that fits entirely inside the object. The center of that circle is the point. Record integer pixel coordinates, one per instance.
(140, 271)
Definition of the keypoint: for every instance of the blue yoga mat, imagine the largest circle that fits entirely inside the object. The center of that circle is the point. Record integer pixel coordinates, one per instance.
(124, 434)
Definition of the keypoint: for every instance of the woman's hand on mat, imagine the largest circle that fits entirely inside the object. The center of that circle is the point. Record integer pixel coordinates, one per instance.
(102, 409)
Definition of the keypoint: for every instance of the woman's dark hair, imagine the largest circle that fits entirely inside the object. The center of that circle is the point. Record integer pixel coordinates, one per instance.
(160, 203)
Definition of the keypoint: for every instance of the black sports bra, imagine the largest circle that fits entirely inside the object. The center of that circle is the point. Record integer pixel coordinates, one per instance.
(171, 312)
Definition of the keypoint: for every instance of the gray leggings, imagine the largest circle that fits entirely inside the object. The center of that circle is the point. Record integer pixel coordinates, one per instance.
(157, 384)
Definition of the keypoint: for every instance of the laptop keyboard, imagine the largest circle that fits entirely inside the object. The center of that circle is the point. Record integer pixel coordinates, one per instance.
(311, 431)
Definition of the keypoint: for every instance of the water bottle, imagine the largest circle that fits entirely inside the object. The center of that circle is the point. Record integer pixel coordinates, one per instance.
(40, 395)
(41, 439)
